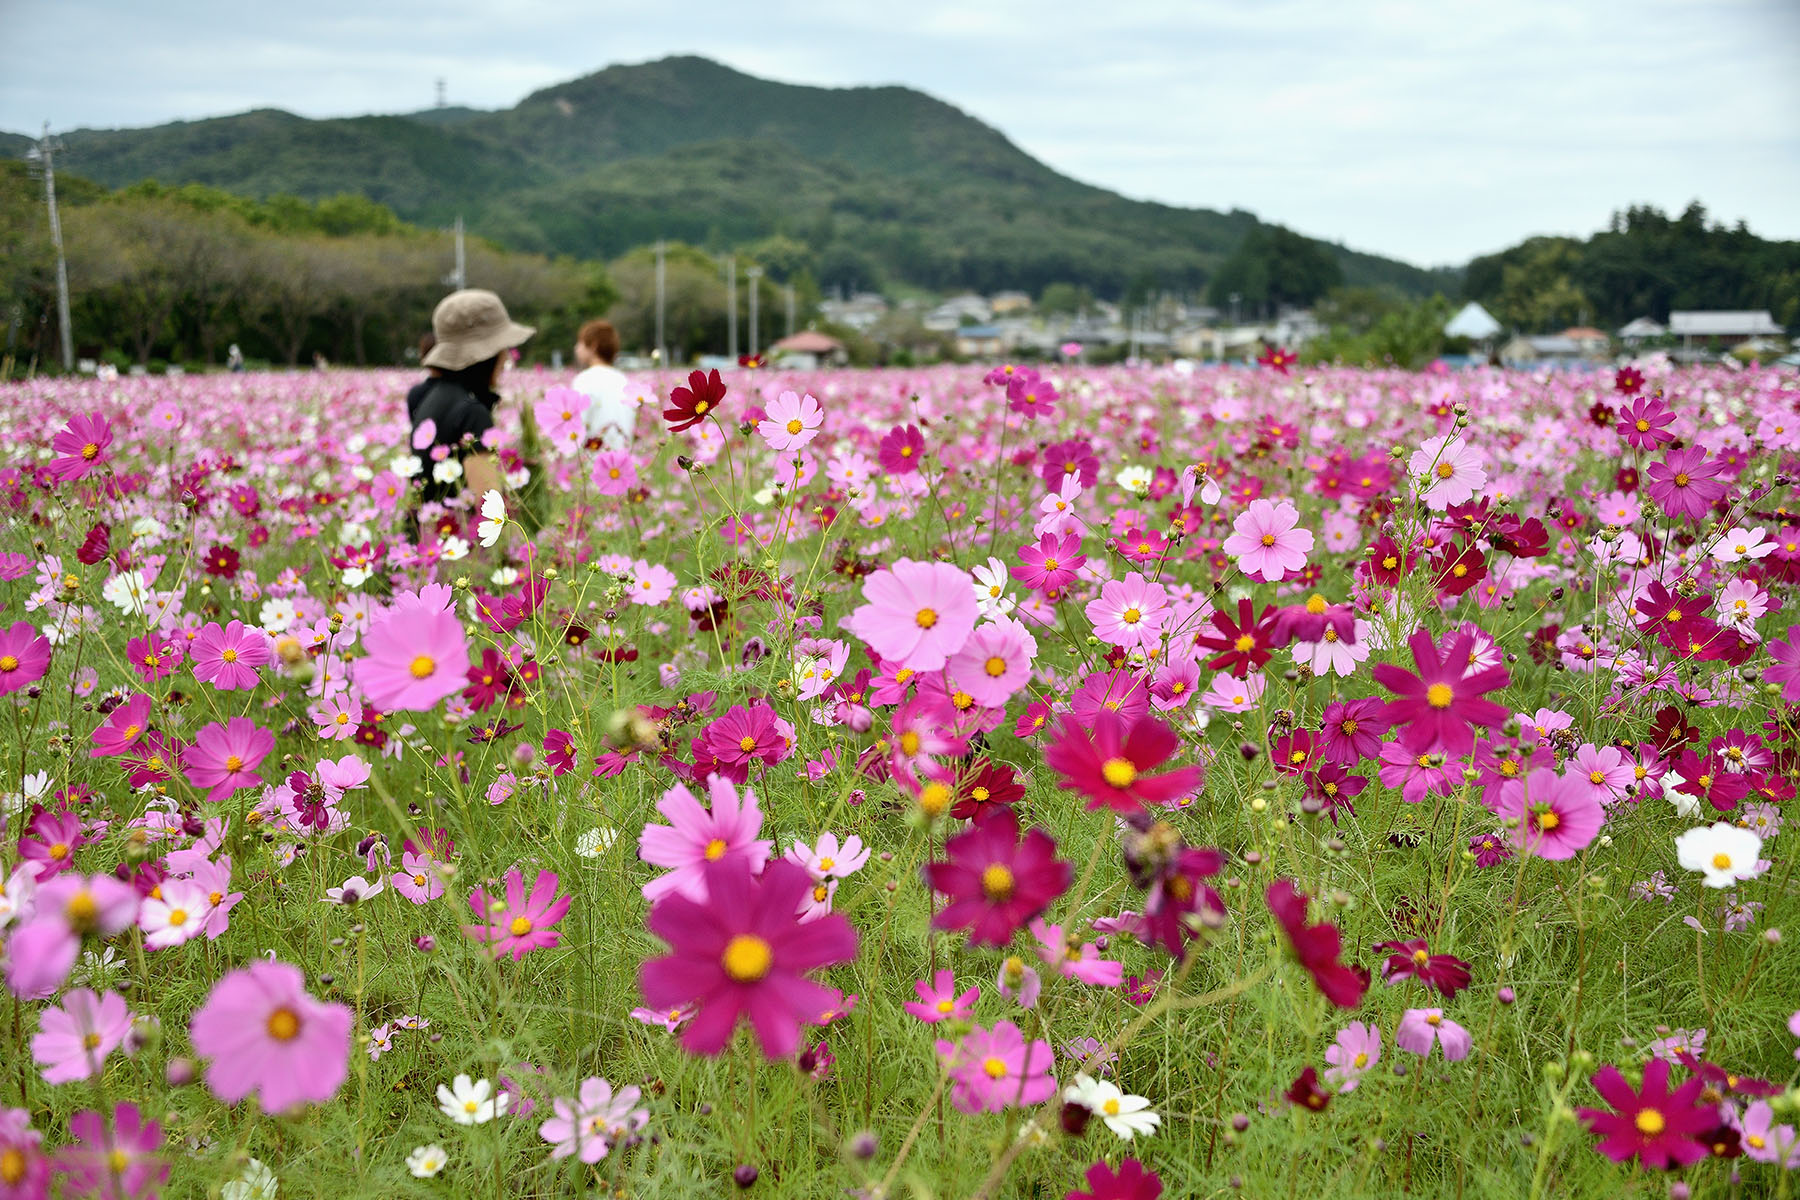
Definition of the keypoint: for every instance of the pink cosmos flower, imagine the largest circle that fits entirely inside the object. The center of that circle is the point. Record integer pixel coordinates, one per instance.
(916, 614)
(51, 840)
(1354, 1053)
(1129, 612)
(793, 421)
(113, 1159)
(1686, 483)
(27, 1169)
(1052, 563)
(588, 1126)
(1438, 706)
(80, 447)
(1765, 1141)
(1267, 542)
(266, 1036)
(902, 450)
(1557, 816)
(41, 952)
(418, 879)
(1070, 957)
(1659, 1127)
(227, 658)
(1031, 395)
(522, 923)
(1644, 423)
(744, 953)
(417, 657)
(1452, 468)
(829, 859)
(1421, 1028)
(1785, 652)
(224, 758)
(1603, 770)
(696, 836)
(994, 663)
(614, 473)
(24, 657)
(995, 881)
(124, 729)
(992, 1070)
(939, 1000)
(73, 1041)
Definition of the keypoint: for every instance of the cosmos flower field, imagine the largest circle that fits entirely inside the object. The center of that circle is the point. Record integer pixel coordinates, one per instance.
(967, 782)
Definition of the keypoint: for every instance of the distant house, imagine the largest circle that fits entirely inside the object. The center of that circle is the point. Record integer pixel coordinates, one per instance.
(1473, 322)
(1009, 302)
(809, 348)
(860, 312)
(1590, 341)
(1548, 350)
(1724, 328)
(957, 311)
(1642, 330)
(980, 341)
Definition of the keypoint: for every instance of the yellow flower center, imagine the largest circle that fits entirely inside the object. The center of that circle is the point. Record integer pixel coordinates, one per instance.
(946, 1006)
(1244, 644)
(1361, 1060)
(284, 1025)
(1649, 1122)
(1111, 1107)
(747, 958)
(233, 763)
(91, 451)
(926, 618)
(795, 426)
(59, 850)
(909, 743)
(8, 663)
(746, 743)
(995, 666)
(1439, 695)
(12, 1166)
(1445, 470)
(715, 850)
(995, 1068)
(1268, 539)
(1131, 616)
(520, 926)
(422, 666)
(1119, 772)
(1722, 862)
(934, 798)
(997, 882)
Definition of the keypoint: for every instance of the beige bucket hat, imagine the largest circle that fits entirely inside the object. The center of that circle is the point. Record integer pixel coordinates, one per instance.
(471, 325)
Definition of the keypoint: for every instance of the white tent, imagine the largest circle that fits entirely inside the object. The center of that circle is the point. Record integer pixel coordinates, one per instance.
(1473, 322)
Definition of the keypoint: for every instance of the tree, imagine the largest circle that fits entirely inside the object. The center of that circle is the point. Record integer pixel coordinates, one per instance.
(1273, 266)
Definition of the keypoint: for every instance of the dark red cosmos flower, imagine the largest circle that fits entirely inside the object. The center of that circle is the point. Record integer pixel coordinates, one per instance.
(1601, 415)
(986, 786)
(1294, 753)
(1387, 565)
(1458, 568)
(688, 406)
(489, 680)
(1439, 706)
(995, 881)
(1130, 1182)
(96, 544)
(1659, 610)
(1629, 380)
(1521, 539)
(559, 751)
(1414, 960)
(1721, 1083)
(1247, 643)
(1316, 947)
(1660, 1128)
(1277, 358)
(221, 561)
(1176, 897)
(1306, 1092)
(1111, 765)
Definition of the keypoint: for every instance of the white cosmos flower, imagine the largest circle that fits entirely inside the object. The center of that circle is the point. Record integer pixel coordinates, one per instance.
(277, 616)
(594, 841)
(454, 549)
(256, 1183)
(504, 577)
(991, 599)
(1134, 478)
(406, 465)
(355, 577)
(448, 471)
(1724, 854)
(470, 1102)
(426, 1161)
(493, 517)
(1125, 1115)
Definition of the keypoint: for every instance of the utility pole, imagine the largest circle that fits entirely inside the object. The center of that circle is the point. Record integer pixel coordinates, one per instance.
(461, 279)
(731, 307)
(790, 310)
(753, 274)
(662, 351)
(47, 146)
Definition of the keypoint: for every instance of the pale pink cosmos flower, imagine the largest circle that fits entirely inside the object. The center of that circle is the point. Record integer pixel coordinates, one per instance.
(1604, 770)
(994, 663)
(588, 1126)
(939, 1000)
(417, 657)
(696, 836)
(793, 421)
(1421, 1028)
(73, 1041)
(1738, 544)
(1057, 511)
(418, 879)
(178, 914)
(1451, 469)
(1331, 655)
(828, 859)
(1232, 695)
(1129, 612)
(1074, 959)
(1267, 541)
(670, 1019)
(917, 614)
(266, 1036)
(1354, 1053)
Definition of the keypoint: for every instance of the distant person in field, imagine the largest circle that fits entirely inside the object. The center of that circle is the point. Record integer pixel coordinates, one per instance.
(612, 411)
(471, 335)
(234, 359)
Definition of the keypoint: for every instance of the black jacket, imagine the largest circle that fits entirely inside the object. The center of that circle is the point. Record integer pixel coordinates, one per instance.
(458, 414)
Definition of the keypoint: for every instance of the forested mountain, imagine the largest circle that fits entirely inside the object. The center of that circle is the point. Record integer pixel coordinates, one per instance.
(873, 185)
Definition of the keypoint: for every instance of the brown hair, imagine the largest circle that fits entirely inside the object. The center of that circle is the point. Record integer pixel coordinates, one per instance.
(601, 338)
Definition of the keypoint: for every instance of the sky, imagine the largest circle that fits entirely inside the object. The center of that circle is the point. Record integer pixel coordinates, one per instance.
(1429, 132)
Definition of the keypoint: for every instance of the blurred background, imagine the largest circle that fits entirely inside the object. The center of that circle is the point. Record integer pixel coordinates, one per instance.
(1539, 183)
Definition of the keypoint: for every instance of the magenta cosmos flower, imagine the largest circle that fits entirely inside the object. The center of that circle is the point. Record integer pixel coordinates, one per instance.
(1111, 763)
(41, 952)
(1129, 612)
(520, 923)
(1661, 1128)
(1132, 1181)
(1052, 563)
(744, 953)
(1557, 817)
(416, 658)
(24, 657)
(224, 758)
(992, 1070)
(1267, 542)
(1439, 705)
(901, 450)
(940, 1001)
(1785, 672)
(113, 1159)
(227, 658)
(1644, 422)
(916, 614)
(266, 1036)
(1686, 483)
(793, 421)
(80, 447)
(696, 836)
(996, 882)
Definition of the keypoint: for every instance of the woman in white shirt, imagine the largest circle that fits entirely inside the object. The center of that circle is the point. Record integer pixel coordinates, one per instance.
(612, 411)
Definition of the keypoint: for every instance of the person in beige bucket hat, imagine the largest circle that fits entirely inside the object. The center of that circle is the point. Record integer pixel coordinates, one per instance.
(453, 409)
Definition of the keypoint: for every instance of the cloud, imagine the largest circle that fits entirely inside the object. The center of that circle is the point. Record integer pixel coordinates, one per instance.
(1429, 131)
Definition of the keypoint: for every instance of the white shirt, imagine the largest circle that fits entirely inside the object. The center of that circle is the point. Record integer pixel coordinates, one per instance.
(613, 404)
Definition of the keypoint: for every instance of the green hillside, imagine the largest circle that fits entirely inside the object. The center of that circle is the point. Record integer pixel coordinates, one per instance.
(875, 184)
